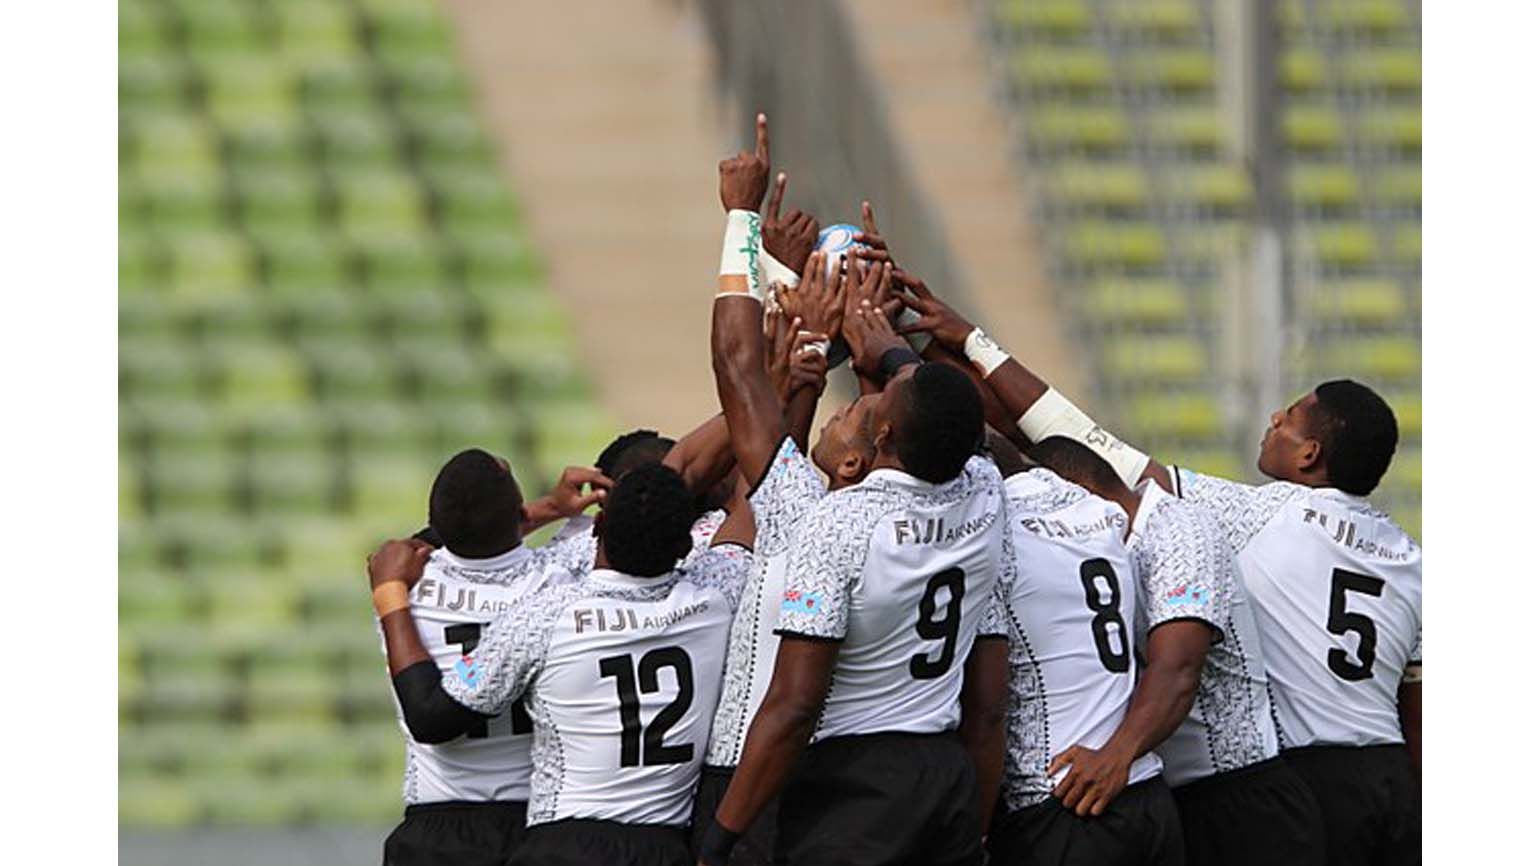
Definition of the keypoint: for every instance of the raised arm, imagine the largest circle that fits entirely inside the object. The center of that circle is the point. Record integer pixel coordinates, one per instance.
(1040, 411)
(748, 399)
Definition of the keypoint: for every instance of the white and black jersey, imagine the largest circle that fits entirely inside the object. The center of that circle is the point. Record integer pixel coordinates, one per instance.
(620, 676)
(906, 573)
(1337, 591)
(786, 495)
(573, 546)
(452, 603)
(1072, 620)
(1187, 571)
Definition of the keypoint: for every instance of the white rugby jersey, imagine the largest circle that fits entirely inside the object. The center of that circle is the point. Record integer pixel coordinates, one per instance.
(1072, 611)
(1186, 571)
(573, 546)
(787, 493)
(620, 675)
(906, 573)
(1337, 591)
(452, 603)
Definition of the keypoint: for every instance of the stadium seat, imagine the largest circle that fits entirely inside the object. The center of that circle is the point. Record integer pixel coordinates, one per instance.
(495, 260)
(240, 89)
(293, 484)
(1302, 69)
(1045, 67)
(1147, 302)
(1186, 126)
(1375, 17)
(155, 803)
(1173, 69)
(1311, 127)
(227, 318)
(352, 370)
(217, 28)
(272, 145)
(381, 430)
(1096, 127)
(183, 202)
(296, 262)
(286, 431)
(1059, 19)
(141, 30)
(1367, 302)
(1407, 245)
(1218, 186)
(355, 140)
(1392, 69)
(1100, 184)
(154, 597)
(308, 30)
(1400, 186)
(151, 368)
(153, 83)
(141, 264)
(1389, 358)
(1408, 408)
(258, 373)
(400, 263)
(282, 200)
(1170, 20)
(1172, 358)
(341, 84)
(1394, 126)
(207, 545)
(210, 263)
(376, 203)
(1341, 244)
(1190, 415)
(1109, 243)
(1323, 185)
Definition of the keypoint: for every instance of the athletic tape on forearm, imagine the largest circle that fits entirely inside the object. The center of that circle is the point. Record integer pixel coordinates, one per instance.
(740, 253)
(984, 353)
(918, 340)
(1054, 415)
(389, 598)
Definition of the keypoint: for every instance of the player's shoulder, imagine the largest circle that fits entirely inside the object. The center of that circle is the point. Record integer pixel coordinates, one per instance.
(1355, 522)
(1039, 491)
(1166, 521)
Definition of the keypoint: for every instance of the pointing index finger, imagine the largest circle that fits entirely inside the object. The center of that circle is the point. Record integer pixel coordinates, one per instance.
(762, 138)
(868, 218)
(774, 213)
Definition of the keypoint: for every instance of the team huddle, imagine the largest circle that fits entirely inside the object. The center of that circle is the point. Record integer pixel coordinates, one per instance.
(964, 624)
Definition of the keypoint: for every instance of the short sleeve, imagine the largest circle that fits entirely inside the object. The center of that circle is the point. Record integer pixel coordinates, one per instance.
(1243, 509)
(1187, 570)
(511, 651)
(825, 564)
(724, 568)
(996, 621)
(789, 490)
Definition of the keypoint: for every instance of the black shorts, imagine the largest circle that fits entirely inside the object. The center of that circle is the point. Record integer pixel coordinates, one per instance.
(456, 833)
(756, 846)
(881, 799)
(1261, 815)
(1140, 828)
(1370, 801)
(586, 842)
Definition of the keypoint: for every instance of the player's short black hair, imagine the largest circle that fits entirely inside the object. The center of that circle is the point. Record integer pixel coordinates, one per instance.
(630, 450)
(939, 422)
(475, 505)
(1008, 458)
(647, 520)
(1358, 433)
(1077, 463)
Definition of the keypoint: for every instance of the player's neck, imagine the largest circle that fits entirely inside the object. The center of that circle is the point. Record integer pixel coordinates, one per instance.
(1127, 500)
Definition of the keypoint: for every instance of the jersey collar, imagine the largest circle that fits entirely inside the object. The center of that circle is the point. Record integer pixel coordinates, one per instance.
(902, 479)
(501, 562)
(1150, 494)
(619, 580)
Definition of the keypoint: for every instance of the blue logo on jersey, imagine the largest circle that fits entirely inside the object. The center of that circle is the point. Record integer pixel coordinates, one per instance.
(469, 673)
(1186, 594)
(795, 601)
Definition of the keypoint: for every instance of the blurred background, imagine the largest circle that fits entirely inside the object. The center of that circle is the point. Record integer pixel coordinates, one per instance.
(356, 236)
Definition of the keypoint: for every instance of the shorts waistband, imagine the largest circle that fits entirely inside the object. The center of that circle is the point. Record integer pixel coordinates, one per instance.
(1260, 768)
(606, 827)
(518, 806)
(888, 736)
(1323, 751)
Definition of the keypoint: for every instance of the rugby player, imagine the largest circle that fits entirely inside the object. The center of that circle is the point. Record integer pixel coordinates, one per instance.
(1335, 584)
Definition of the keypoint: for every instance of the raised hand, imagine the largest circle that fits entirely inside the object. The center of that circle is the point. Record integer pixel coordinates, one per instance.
(874, 248)
(819, 300)
(742, 179)
(870, 335)
(399, 560)
(809, 362)
(568, 495)
(943, 322)
(790, 238)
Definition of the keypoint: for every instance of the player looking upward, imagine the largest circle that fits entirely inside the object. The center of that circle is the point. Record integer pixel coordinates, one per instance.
(1335, 584)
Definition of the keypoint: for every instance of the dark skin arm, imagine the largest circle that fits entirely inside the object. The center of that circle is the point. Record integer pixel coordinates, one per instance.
(982, 729)
(1409, 707)
(1014, 386)
(780, 729)
(400, 561)
(1162, 699)
(704, 456)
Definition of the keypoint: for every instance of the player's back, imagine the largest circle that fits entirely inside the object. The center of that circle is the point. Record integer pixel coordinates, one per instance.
(455, 599)
(1072, 613)
(909, 571)
(623, 700)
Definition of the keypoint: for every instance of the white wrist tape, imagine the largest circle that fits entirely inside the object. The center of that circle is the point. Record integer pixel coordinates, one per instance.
(919, 339)
(819, 346)
(1053, 415)
(984, 353)
(773, 271)
(740, 251)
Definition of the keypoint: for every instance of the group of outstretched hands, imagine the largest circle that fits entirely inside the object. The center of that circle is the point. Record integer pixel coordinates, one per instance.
(858, 298)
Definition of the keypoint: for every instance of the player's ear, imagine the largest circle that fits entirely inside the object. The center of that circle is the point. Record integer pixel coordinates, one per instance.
(851, 468)
(1309, 455)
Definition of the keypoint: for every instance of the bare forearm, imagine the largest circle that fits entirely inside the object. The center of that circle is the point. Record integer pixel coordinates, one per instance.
(776, 740)
(984, 739)
(704, 456)
(799, 414)
(1161, 701)
(748, 400)
(403, 645)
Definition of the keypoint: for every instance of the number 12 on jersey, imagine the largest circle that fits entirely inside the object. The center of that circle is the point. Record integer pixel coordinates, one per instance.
(647, 749)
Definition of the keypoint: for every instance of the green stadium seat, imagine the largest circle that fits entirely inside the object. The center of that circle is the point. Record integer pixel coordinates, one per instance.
(274, 145)
(151, 368)
(402, 263)
(1400, 185)
(1388, 68)
(1144, 302)
(1406, 248)
(217, 28)
(1390, 358)
(1405, 471)
(408, 27)
(1394, 126)
(278, 200)
(1187, 415)
(294, 483)
(141, 264)
(472, 200)
(165, 142)
(156, 598)
(1217, 186)
(188, 428)
(381, 431)
(152, 83)
(156, 803)
(141, 30)
(274, 802)
(1187, 126)
(203, 545)
(1108, 243)
(210, 263)
(1061, 19)
(189, 697)
(379, 203)
(240, 317)
(146, 318)
(139, 548)
(1173, 69)
(346, 801)
(1042, 67)
(258, 374)
(352, 370)
(1341, 244)
(570, 433)
(298, 262)
(1364, 302)
(1408, 408)
(392, 487)
(1215, 462)
(428, 91)
(1143, 358)
(451, 139)
(1312, 127)
(1379, 17)
(333, 601)
(1302, 69)
(1099, 184)
(341, 85)
(315, 31)
(183, 202)
(248, 90)
(1083, 126)
(438, 316)
(249, 602)
(462, 422)
(1323, 186)
(281, 431)
(191, 484)
(446, 371)
(326, 314)
(1168, 19)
